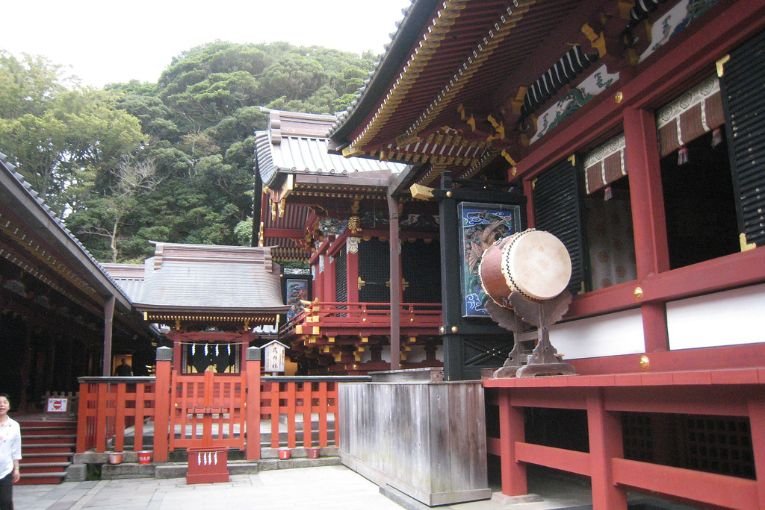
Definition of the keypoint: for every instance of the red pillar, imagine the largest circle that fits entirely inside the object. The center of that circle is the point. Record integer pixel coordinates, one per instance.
(253, 404)
(756, 407)
(648, 217)
(605, 431)
(162, 410)
(511, 430)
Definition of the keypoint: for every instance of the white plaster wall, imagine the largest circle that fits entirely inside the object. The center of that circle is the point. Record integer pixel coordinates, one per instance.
(724, 318)
(604, 335)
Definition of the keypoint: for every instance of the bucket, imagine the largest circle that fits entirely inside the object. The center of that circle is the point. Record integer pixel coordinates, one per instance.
(116, 457)
(285, 453)
(312, 453)
(144, 457)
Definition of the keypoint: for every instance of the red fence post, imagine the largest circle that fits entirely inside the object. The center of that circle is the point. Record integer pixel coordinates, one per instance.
(253, 403)
(511, 430)
(82, 418)
(605, 433)
(756, 407)
(162, 403)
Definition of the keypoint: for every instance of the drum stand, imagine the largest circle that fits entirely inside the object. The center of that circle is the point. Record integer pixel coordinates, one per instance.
(544, 359)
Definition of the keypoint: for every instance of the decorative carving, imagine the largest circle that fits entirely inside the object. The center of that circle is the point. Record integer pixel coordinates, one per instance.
(352, 244)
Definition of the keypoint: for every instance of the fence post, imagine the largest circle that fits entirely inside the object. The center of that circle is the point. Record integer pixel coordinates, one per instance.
(82, 418)
(253, 403)
(162, 403)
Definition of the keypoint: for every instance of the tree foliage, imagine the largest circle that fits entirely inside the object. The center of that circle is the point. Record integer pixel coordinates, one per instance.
(194, 130)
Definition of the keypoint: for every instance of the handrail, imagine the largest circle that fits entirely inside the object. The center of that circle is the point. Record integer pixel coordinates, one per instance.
(371, 314)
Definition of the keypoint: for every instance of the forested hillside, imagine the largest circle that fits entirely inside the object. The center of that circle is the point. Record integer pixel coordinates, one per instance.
(170, 161)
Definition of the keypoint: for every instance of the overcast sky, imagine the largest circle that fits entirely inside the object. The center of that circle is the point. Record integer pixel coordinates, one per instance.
(105, 41)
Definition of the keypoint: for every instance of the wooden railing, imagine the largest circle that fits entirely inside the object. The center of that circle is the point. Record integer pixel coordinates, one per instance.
(111, 407)
(328, 314)
(304, 404)
(201, 410)
(207, 410)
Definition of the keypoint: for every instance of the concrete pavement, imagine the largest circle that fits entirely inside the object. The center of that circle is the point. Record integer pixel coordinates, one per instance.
(316, 488)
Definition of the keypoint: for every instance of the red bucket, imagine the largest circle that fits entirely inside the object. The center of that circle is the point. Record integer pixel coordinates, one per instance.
(144, 457)
(312, 453)
(285, 453)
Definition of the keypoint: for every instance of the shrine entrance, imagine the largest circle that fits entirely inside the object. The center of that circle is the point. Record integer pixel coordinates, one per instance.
(175, 411)
(208, 411)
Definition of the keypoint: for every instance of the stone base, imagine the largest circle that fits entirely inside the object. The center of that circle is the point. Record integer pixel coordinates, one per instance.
(126, 470)
(76, 473)
(504, 499)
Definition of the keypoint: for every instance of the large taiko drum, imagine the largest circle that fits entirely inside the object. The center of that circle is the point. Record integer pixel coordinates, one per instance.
(533, 263)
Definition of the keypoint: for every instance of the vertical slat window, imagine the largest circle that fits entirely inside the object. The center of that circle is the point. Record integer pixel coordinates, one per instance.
(743, 88)
(557, 208)
(341, 277)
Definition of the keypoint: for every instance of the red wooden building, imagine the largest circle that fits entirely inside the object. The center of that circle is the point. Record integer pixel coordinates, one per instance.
(343, 319)
(634, 131)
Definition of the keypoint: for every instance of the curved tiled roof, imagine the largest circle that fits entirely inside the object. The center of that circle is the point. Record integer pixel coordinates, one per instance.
(31, 202)
(189, 277)
(297, 143)
(450, 60)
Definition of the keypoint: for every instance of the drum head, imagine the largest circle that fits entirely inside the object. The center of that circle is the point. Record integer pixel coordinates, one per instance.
(536, 264)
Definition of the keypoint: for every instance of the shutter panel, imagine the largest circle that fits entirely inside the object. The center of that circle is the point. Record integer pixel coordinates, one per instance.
(557, 208)
(341, 277)
(374, 269)
(421, 264)
(743, 87)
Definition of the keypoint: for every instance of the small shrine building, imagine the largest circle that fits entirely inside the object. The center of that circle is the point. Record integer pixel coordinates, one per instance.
(211, 302)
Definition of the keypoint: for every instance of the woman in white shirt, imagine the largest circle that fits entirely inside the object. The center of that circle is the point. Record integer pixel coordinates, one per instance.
(10, 453)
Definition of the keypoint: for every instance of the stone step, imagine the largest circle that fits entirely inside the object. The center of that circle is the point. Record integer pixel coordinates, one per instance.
(47, 439)
(47, 478)
(28, 468)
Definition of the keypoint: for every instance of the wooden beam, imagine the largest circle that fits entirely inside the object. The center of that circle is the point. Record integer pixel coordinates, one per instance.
(108, 321)
(711, 489)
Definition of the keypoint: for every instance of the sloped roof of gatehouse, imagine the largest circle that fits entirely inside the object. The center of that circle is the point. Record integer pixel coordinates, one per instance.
(204, 278)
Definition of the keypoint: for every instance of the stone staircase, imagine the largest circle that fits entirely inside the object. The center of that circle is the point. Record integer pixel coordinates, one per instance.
(47, 448)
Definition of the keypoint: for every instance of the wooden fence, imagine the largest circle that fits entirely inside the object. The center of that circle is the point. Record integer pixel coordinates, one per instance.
(243, 411)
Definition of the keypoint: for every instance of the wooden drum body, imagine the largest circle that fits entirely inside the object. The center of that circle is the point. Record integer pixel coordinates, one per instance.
(533, 263)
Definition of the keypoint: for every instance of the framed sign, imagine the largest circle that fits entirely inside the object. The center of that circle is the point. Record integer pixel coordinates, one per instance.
(57, 405)
(273, 356)
(480, 225)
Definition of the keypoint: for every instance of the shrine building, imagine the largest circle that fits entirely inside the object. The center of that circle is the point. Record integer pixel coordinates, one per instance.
(633, 131)
(343, 320)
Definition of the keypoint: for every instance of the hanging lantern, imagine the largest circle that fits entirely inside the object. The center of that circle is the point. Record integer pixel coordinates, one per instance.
(682, 155)
(716, 137)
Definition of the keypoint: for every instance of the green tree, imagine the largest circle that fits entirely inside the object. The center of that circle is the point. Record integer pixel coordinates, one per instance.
(195, 127)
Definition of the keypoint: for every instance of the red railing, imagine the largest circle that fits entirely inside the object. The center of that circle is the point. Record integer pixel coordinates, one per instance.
(300, 412)
(112, 409)
(326, 314)
(207, 410)
(204, 410)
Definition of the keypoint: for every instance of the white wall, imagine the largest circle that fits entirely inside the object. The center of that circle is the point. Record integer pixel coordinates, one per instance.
(723, 318)
(604, 335)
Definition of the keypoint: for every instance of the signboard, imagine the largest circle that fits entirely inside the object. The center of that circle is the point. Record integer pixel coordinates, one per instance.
(57, 405)
(273, 361)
